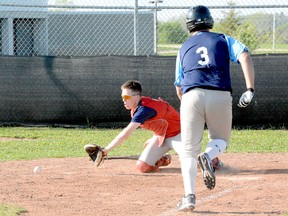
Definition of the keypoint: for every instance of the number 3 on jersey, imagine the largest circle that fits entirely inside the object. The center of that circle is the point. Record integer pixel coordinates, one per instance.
(204, 55)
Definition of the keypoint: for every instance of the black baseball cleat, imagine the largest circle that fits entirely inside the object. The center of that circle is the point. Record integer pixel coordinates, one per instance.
(207, 170)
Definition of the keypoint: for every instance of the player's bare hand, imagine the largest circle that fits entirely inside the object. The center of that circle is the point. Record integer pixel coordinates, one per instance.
(105, 151)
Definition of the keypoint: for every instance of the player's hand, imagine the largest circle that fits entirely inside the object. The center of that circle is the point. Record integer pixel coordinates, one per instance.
(105, 151)
(178, 92)
(246, 98)
(95, 153)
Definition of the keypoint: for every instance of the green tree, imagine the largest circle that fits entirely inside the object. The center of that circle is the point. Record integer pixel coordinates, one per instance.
(247, 34)
(240, 28)
(230, 23)
(281, 34)
(262, 21)
(171, 32)
(265, 23)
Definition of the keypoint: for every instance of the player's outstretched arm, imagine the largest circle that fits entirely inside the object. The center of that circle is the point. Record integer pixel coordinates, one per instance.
(121, 137)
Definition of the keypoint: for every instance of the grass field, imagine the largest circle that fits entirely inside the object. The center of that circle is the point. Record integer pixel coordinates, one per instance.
(172, 49)
(26, 143)
(10, 210)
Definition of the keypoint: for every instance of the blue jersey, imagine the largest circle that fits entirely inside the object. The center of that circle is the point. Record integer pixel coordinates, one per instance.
(203, 61)
(143, 113)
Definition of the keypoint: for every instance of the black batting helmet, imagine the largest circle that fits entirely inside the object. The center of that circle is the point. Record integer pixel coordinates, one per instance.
(198, 18)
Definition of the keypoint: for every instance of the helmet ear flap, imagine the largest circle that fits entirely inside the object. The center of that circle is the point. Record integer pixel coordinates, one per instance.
(190, 26)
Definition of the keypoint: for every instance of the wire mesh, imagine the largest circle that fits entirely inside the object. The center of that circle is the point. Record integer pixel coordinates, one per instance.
(126, 27)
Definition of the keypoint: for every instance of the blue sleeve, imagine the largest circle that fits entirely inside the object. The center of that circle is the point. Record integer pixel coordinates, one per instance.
(235, 48)
(143, 114)
(178, 71)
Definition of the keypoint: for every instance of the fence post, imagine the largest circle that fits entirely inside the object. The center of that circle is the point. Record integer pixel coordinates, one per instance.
(274, 26)
(155, 2)
(10, 37)
(135, 26)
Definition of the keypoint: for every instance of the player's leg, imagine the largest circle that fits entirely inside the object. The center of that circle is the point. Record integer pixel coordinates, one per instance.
(219, 122)
(218, 106)
(192, 128)
(153, 157)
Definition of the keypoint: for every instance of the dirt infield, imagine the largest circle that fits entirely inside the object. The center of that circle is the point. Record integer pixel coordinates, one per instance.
(249, 184)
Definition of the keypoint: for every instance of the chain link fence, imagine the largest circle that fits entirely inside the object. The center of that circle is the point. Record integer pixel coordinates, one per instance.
(132, 27)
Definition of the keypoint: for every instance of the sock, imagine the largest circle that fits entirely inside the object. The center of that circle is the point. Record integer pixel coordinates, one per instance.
(189, 174)
(215, 147)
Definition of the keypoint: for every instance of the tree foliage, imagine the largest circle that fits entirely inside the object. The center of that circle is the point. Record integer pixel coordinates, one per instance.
(247, 34)
(253, 30)
(172, 32)
(229, 24)
(234, 25)
(266, 22)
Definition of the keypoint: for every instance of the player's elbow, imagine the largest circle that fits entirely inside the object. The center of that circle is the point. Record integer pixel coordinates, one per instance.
(245, 57)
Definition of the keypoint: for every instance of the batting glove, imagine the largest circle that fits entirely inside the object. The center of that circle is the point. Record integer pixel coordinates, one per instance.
(246, 98)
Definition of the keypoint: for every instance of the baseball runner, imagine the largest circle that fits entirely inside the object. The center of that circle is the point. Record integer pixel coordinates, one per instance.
(204, 87)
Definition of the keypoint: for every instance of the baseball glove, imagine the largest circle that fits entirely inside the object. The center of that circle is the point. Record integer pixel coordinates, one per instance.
(95, 153)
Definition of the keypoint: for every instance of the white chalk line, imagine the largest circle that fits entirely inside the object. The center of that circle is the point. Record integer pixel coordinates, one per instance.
(201, 201)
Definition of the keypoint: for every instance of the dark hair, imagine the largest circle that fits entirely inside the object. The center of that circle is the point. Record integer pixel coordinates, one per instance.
(133, 85)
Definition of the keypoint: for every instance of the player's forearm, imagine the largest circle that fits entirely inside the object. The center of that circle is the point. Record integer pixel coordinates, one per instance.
(248, 69)
(119, 139)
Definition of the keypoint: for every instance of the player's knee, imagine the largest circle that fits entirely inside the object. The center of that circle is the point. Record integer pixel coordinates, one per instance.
(143, 167)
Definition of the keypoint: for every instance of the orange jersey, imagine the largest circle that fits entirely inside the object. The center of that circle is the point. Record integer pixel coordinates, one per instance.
(165, 124)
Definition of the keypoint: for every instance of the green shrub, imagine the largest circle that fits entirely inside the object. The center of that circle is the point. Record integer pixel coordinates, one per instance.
(172, 33)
